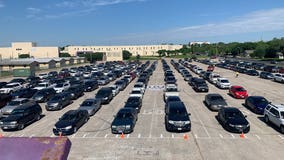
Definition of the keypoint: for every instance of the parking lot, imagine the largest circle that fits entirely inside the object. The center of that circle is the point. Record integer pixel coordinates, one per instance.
(206, 140)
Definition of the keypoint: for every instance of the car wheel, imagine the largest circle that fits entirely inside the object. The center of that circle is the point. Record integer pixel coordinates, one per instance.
(74, 129)
(21, 126)
(282, 129)
(38, 117)
(266, 119)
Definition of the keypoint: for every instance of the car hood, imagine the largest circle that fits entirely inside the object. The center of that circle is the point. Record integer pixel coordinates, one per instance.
(125, 121)
(11, 118)
(261, 105)
(219, 102)
(238, 121)
(63, 124)
(9, 108)
(178, 118)
(86, 107)
(241, 92)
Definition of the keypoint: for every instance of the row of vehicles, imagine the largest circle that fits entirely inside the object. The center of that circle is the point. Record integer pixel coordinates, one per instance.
(272, 113)
(18, 111)
(125, 119)
(176, 115)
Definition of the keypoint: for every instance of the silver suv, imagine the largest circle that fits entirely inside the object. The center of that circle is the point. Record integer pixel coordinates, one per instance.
(274, 113)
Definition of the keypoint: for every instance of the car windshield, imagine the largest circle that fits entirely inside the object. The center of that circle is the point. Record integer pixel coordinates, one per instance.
(224, 81)
(11, 86)
(68, 117)
(240, 89)
(138, 85)
(14, 103)
(135, 92)
(216, 98)
(41, 85)
(118, 83)
(123, 115)
(87, 103)
(232, 115)
(173, 99)
(55, 98)
(18, 112)
(282, 115)
(178, 111)
(59, 85)
(132, 99)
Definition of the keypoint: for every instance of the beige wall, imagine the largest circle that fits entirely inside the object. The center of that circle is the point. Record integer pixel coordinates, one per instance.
(28, 48)
(142, 50)
(114, 56)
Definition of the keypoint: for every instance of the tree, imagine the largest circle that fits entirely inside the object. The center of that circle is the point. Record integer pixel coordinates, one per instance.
(260, 50)
(24, 56)
(64, 55)
(162, 52)
(92, 57)
(126, 54)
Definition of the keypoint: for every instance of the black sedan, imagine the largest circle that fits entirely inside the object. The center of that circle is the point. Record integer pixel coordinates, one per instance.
(134, 102)
(200, 85)
(24, 93)
(70, 122)
(75, 91)
(214, 101)
(252, 72)
(233, 120)
(91, 85)
(124, 121)
(256, 103)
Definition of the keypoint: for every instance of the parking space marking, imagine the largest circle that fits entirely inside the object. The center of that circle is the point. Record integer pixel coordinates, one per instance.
(127, 136)
(22, 135)
(116, 136)
(139, 135)
(32, 135)
(106, 135)
(195, 135)
(203, 126)
(281, 136)
(232, 136)
(221, 135)
(257, 137)
(85, 135)
(12, 135)
(73, 135)
(173, 136)
(161, 136)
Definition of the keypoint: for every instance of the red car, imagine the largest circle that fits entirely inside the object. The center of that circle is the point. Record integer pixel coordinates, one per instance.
(238, 92)
(210, 68)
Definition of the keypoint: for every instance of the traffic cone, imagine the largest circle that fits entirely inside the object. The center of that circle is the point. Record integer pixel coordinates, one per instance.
(242, 135)
(122, 136)
(185, 136)
(1, 135)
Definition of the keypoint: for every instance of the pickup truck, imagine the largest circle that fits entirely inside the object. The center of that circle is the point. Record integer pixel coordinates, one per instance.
(170, 90)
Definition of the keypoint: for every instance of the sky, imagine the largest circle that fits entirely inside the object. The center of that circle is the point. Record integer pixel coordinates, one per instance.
(134, 22)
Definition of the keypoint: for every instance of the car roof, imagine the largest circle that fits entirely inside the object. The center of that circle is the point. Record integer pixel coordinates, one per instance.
(126, 110)
(237, 87)
(90, 99)
(231, 109)
(176, 104)
(280, 107)
(72, 112)
(25, 106)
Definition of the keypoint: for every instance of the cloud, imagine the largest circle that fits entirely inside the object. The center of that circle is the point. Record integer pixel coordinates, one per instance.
(258, 21)
(34, 10)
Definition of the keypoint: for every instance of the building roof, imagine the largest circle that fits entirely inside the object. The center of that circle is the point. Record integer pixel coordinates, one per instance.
(16, 63)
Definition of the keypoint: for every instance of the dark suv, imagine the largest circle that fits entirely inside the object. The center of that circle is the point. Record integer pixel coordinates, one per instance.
(21, 117)
(177, 117)
(44, 95)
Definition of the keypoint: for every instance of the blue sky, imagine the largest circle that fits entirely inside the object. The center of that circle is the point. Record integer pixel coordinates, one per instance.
(124, 22)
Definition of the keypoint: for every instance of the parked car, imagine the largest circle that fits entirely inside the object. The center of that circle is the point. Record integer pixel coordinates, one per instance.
(124, 121)
(44, 85)
(139, 86)
(91, 105)
(115, 90)
(256, 103)
(136, 93)
(134, 102)
(7, 110)
(238, 92)
(223, 83)
(10, 88)
(4, 99)
(213, 77)
(274, 113)
(233, 120)
(75, 91)
(90, 85)
(200, 85)
(61, 87)
(252, 72)
(215, 101)
(24, 93)
(105, 94)
(59, 101)
(43, 75)
(177, 118)
(70, 122)
(278, 77)
(266, 75)
(120, 84)
(22, 116)
(43, 95)
(103, 80)
(2, 84)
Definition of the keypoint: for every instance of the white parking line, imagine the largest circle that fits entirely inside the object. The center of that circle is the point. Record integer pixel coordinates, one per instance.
(233, 136)
(203, 126)
(161, 136)
(139, 135)
(195, 135)
(127, 136)
(173, 136)
(106, 135)
(22, 135)
(116, 136)
(281, 136)
(85, 135)
(32, 135)
(221, 135)
(12, 135)
(73, 135)
(257, 137)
